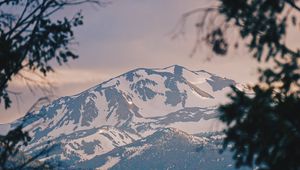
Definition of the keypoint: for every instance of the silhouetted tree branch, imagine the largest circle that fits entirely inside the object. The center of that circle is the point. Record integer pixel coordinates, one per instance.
(30, 38)
(264, 127)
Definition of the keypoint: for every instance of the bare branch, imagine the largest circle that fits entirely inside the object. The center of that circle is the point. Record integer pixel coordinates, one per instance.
(293, 4)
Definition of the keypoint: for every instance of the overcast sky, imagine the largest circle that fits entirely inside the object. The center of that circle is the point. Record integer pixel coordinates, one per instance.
(126, 35)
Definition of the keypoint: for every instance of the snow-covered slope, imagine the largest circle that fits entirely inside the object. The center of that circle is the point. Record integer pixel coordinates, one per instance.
(4, 128)
(167, 148)
(125, 109)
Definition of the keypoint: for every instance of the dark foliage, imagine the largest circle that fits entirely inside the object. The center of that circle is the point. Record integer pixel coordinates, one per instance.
(10, 143)
(11, 157)
(30, 38)
(265, 22)
(264, 127)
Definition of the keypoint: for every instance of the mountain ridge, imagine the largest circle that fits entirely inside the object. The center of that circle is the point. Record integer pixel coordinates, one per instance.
(126, 109)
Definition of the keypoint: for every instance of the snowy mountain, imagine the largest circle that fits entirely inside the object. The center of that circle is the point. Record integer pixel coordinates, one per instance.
(118, 114)
(167, 148)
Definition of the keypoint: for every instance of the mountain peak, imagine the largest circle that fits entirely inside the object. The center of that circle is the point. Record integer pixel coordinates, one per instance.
(176, 69)
(164, 102)
(174, 66)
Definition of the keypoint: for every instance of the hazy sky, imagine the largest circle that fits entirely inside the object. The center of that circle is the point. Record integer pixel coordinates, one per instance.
(129, 34)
